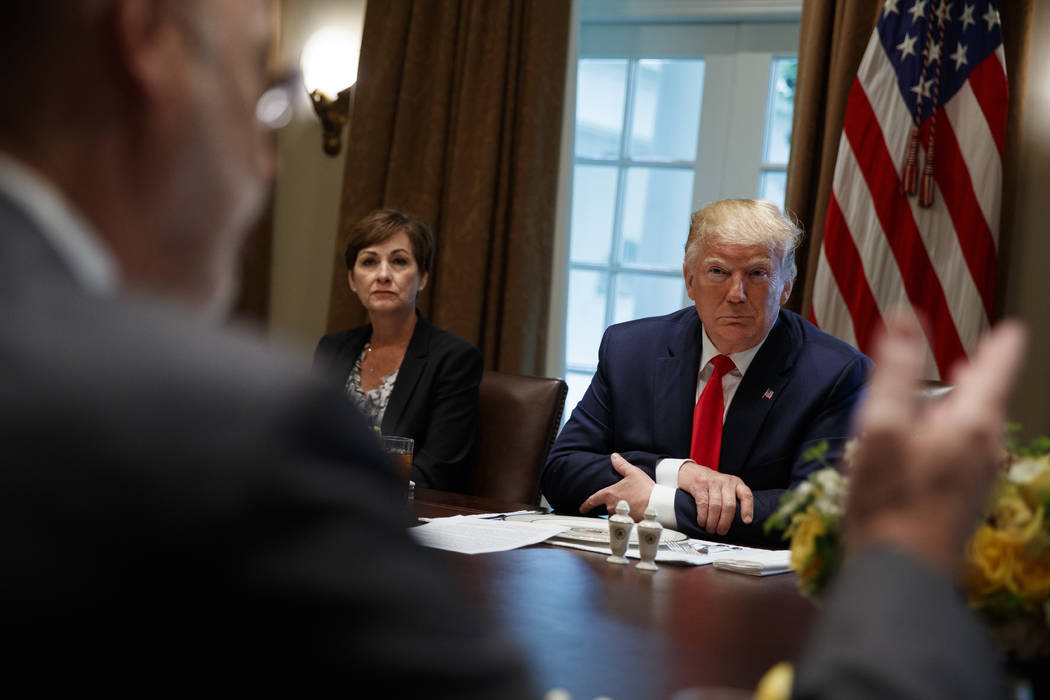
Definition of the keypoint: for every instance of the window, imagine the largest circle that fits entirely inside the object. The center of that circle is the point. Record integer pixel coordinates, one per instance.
(777, 138)
(668, 117)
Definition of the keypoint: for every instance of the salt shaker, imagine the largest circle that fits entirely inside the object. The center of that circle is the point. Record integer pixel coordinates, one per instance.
(620, 526)
(649, 531)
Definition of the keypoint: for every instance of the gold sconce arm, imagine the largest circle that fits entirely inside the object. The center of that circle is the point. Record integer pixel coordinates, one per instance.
(334, 114)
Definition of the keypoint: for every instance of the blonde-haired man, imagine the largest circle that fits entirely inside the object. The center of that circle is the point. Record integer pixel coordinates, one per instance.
(712, 465)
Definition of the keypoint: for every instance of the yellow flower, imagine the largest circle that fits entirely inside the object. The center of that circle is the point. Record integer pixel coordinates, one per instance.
(776, 684)
(990, 560)
(1030, 577)
(810, 526)
(1012, 515)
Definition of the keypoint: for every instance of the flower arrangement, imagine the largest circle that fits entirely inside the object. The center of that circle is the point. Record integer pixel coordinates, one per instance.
(810, 516)
(1007, 576)
(1007, 564)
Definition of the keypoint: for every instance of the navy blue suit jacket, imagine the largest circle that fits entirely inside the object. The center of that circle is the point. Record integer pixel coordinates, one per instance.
(641, 399)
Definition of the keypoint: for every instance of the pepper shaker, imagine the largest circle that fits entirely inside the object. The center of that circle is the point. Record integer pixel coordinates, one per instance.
(620, 526)
(649, 531)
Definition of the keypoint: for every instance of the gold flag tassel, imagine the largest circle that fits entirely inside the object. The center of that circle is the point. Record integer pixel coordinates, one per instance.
(911, 164)
(926, 191)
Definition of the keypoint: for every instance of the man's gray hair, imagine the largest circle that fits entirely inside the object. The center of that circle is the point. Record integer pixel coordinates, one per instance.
(745, 222)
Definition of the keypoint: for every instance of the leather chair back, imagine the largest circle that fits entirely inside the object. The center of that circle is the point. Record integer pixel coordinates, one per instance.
(518, 419)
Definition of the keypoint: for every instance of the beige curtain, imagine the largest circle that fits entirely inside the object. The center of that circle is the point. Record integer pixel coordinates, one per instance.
(457, 118)
(832, 42)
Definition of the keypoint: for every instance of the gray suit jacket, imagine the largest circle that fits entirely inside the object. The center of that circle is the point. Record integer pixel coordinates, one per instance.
(892, 629)
(185, 512)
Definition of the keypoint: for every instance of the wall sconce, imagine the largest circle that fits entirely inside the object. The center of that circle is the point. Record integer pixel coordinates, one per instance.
(329, 66)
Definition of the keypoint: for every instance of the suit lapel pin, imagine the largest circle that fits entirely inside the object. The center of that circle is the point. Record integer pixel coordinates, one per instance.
(768, 394)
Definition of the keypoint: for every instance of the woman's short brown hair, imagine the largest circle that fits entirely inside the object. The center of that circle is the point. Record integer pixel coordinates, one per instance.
(380, 225)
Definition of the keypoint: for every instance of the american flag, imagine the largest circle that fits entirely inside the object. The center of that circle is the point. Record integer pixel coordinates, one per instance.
(913, 221)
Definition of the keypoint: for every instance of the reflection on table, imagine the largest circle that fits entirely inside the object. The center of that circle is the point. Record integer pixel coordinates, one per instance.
(598, 629)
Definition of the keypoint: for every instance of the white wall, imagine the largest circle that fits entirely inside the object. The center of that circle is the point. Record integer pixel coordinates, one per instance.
(308, 189)
(1027, 293)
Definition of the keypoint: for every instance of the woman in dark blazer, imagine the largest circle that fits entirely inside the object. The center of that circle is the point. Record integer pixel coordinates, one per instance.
(407, 376)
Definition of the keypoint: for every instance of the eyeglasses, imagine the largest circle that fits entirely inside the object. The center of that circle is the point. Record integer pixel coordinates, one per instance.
(275, 107)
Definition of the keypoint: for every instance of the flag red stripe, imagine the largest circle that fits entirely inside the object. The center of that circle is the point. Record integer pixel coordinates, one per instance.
(848, 271)
(894, 214)
(989, 85)
(956, 186)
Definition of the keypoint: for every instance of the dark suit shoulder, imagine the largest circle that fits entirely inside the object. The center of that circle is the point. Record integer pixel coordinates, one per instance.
(443, 343)
(653, 331)
(332, 345)
(820, 347)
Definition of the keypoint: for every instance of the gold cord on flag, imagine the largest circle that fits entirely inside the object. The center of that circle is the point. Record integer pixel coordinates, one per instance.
(910, 177)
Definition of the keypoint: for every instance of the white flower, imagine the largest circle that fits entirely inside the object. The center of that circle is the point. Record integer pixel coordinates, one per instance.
(1026, 469)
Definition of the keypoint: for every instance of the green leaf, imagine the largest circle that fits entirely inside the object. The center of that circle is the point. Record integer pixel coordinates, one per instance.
(817, 452)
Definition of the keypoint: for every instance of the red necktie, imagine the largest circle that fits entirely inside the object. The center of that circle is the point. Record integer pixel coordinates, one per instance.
(706, 445)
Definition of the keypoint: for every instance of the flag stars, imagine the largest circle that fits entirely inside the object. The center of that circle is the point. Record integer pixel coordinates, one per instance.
(907, 47)
(944, 11)
(923, 88)
(967, 17)
(959, 56)
(890, 7)
(935, 53)
(991, 17)
(918, 11)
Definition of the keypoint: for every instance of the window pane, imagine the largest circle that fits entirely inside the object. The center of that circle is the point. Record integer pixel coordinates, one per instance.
(593, 208)
(578, 383)
(600, 91)
(640, 295)
(781, 106)
(771, 186)
(657, 203)
(666, 117)
(585, 322)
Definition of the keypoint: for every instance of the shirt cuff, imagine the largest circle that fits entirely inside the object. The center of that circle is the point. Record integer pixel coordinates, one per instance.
(667, 471)
(662, 501)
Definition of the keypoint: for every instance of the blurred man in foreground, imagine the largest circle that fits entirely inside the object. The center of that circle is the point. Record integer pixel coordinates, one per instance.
(183, 512)
(894, 625)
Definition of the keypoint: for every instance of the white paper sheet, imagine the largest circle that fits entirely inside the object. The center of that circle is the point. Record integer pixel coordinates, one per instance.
(473, 535)
(663, 555)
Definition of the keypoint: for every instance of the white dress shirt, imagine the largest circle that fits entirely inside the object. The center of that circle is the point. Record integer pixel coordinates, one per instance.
(663, 495)
(65, 229)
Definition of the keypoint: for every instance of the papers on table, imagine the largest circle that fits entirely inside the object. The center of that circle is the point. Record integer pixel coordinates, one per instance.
(756, 562)
(475, 535)
(486, 532)
(729, 557)
(663, 555)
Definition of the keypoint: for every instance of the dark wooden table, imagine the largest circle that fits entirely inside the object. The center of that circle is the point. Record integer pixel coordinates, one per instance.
(597, 629)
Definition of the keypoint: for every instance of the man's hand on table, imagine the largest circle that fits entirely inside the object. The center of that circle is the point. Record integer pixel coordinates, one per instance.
(635, 487)
(716, 495)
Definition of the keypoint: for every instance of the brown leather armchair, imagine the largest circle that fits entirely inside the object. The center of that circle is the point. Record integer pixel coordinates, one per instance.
(518, 419)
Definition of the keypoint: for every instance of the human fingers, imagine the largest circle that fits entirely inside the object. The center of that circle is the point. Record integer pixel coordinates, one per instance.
(598, 498)
(621, 465)
(747, 502)
(989, 377)
(702, 499)
(714, 506)
(898, 356)
(728, 506)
